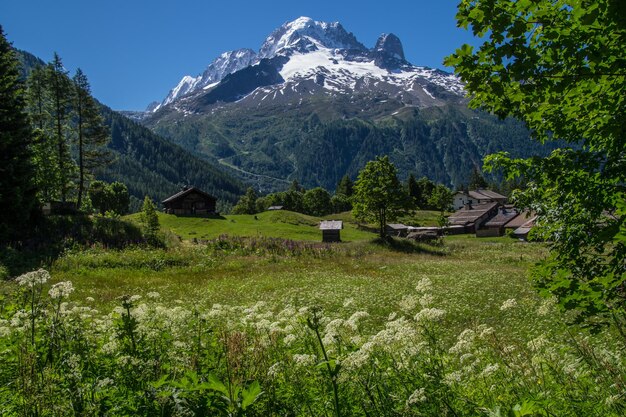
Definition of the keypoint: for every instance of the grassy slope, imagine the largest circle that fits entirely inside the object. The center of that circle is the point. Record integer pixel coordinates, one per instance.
(279, 224)
(471, 277)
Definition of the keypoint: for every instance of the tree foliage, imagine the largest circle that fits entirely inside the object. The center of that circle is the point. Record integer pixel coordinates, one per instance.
(17, 188)
(150, 222)
(560, 66)
(112, 197)
(247, 203)
(91, 133)
(316, 202)
(378, 194)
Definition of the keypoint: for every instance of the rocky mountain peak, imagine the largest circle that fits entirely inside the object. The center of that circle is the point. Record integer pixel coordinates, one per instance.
(390, 44)
(305, 35)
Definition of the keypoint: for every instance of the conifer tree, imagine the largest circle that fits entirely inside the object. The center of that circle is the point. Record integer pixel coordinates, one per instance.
(44, 149)
(91, 133)
(61, 95)
(345, 186)
(17, 190)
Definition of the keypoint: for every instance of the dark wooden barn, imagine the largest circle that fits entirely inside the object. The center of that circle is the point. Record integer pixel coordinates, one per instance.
(190, 201)
(331, 230)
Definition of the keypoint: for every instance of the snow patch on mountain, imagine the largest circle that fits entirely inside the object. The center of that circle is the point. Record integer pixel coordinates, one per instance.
(327, 58)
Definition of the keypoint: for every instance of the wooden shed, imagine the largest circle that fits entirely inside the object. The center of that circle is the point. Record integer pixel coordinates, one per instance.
(190, 201)
(331, 230)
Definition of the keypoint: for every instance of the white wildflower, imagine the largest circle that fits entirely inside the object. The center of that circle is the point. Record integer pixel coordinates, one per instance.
(418, 396)
(289, 339)
(430, 315)
(274, 370)
(485, 331)
(353, 321)
(153, 295)
(134, 298)
(30, 279)
(424, 285)
(90, 299)
(452, 378)
(547, 306)
(103, 383)
(538, 343)
(426, 300)
(61, 290)
(464, 342)
(304, 360)
(348, 302)
(508, 304)
(490, 369)
(408, 303)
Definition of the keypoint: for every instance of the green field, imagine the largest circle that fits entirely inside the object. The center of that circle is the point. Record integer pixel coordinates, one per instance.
(218, 318)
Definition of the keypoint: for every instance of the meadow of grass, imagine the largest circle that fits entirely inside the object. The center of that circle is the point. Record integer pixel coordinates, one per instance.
(272, 326)
(279, 224)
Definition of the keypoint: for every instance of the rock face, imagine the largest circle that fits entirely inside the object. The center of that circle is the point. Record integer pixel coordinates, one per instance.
(389, 54)
(305, 52)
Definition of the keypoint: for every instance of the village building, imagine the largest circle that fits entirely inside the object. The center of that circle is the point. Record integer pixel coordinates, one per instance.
(274, 208)
(522, 231)
(480, 196)
(190, 201)
(331, 230)
(471, 217)
(496, 225)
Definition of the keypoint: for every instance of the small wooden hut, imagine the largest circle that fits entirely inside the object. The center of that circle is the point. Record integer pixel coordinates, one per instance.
(190, 201)
(331, 230)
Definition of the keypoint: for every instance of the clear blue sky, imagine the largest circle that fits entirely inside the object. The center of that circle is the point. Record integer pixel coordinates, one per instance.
(135, 51)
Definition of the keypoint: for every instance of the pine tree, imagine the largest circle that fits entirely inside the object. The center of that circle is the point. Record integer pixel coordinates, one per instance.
(17, 189)
(61, 95)
(345, 186)
(150, 221)
(477, 181)
(44, 150)
(91, 133)
(413, 189)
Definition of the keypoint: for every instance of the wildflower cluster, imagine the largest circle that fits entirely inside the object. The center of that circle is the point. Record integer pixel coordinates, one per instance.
(147, 358)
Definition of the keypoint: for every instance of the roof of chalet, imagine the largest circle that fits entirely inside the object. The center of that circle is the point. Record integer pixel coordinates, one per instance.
(184, 192)
(466, 216)
(503, 217)
(397, 226)
(483, 194)
(275, 207)
(521, 219)
(331, 225)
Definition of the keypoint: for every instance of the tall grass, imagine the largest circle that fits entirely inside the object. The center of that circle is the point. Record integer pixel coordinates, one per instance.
(150, 358)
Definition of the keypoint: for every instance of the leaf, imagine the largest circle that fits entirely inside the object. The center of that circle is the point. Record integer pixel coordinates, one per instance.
(216, 385)
(250, 394)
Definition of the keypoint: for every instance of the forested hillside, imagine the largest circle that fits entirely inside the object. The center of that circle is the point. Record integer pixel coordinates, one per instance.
(148, 164)
(321, 141)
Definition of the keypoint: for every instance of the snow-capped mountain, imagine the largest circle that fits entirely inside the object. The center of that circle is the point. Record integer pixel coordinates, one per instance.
(314, 104)
(310, 57)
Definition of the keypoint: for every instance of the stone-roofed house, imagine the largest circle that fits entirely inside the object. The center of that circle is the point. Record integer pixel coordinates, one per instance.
(496, 225)
(190, 201)
(471, 217)
(480, 196)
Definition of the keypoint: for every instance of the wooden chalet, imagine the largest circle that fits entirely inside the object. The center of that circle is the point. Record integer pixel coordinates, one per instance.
(472, 216)
(496, 225)
(331, 230)
(480, 196)
(190, 201)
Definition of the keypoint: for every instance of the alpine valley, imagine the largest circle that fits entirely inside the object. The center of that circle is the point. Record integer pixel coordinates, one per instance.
(314, 104)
